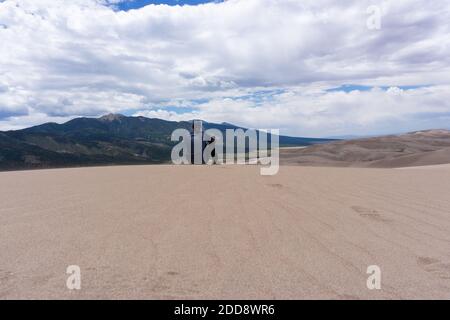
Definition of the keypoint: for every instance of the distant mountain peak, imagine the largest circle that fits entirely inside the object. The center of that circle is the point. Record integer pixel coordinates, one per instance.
(110, 139)
(112, 117)
(227, 124)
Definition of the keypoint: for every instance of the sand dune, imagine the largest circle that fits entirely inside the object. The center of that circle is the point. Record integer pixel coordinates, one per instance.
(151, 232)
(413, 149)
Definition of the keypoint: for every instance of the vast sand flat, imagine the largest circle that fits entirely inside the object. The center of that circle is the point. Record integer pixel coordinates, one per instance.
(152, 232)
(430, 167)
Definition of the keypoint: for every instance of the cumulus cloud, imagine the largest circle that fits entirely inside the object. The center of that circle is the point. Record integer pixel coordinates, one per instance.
(259, 63)
(376, 111)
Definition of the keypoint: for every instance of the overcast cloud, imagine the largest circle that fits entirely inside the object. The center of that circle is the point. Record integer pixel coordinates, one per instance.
(257, 63)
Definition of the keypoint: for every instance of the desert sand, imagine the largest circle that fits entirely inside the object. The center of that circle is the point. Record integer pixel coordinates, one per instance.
(421, 148)
(225, 232)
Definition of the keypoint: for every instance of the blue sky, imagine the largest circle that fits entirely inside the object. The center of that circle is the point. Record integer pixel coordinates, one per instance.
(136, 4)
(305, 68)
(354, 87)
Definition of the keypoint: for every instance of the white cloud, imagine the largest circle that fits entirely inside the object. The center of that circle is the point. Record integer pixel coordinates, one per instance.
(306, 112)
(61, 59)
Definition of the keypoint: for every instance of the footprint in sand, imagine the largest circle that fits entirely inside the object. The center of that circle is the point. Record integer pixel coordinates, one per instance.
(5, 276)
(275, 185)
(435, 266)
(7, 280)
(370, 214)
(42, 279)
(424, 261)
(171, 283)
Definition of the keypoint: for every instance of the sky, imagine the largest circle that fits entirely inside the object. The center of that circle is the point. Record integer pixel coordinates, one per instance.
(313, 68)
(136, 4)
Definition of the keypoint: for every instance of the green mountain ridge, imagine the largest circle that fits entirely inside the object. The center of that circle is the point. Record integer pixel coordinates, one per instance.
(109, 140)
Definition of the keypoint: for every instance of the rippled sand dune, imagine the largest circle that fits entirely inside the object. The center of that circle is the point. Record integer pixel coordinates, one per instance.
(421, 148)
(151, 232)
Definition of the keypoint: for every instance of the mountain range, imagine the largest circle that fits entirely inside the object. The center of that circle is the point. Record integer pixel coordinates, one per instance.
(109, 140)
